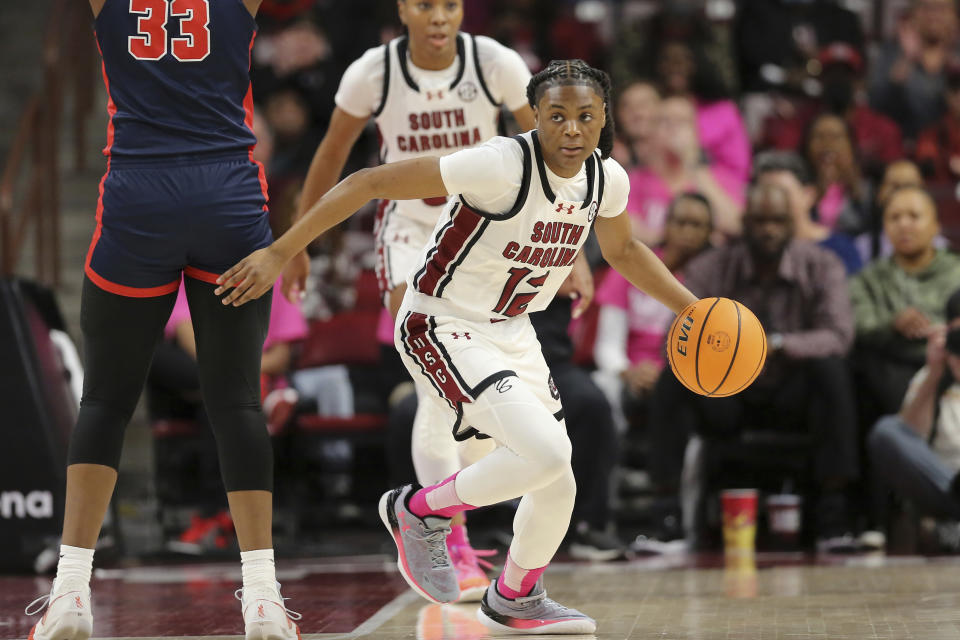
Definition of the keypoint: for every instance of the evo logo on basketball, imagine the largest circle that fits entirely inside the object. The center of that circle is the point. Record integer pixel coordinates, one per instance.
(36, 505)
(684, 335)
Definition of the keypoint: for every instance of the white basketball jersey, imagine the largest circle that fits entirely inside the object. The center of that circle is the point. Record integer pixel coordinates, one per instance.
(414, 122)
(504, 265)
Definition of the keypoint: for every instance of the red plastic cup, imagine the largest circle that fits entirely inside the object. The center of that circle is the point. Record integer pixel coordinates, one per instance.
(739, 520)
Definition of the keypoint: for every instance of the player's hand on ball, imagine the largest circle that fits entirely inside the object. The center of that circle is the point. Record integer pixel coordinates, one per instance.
(251, 277)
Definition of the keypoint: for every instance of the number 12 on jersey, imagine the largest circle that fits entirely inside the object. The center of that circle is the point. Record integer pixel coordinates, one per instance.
(150, 43)
(511, 304)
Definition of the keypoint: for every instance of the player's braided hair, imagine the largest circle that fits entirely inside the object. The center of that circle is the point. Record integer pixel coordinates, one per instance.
(567, 72)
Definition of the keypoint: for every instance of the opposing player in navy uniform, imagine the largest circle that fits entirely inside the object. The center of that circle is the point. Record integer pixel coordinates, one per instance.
(522, 211)
(181, 196)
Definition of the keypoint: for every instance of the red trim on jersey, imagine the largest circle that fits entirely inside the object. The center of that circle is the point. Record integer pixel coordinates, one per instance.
(379, 227)
(420, 346)
(248, 120)
(449, 246)
(111, 107)
(200, 274)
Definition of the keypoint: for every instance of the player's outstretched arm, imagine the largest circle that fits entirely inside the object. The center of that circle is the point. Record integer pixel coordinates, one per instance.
(406, 180)
(325, 170)
(638, 264)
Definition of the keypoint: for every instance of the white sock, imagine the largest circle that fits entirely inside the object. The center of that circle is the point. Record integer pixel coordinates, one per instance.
(258, 570)
(74, 567)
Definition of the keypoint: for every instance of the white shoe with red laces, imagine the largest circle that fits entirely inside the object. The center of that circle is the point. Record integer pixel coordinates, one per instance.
(67, 617)
(266, 617)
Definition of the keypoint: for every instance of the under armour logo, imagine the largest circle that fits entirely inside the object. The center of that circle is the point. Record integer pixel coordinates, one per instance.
(561, 207)
(260, 611)
(435, 94)
(503, 385)
(78, 602)
(466, 334)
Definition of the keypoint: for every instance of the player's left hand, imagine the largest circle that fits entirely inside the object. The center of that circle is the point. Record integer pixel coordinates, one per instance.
(251, 277)
(579, 286)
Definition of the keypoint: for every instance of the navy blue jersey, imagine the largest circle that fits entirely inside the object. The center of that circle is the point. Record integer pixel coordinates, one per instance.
(177, 76)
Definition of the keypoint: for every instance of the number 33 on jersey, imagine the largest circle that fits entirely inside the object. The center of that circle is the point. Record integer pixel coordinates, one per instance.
(177, 76)
(153, 39)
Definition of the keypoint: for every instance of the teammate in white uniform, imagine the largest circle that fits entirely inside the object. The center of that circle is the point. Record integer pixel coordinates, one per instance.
(503, 246)
(431, 92)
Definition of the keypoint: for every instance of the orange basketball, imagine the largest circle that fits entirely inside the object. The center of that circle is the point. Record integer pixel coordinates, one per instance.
(716, 347)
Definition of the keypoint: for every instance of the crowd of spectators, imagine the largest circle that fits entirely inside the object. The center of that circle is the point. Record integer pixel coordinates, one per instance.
(801, 156)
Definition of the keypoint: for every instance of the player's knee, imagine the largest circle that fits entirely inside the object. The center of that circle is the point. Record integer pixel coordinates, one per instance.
(553, 457)
(566, 487)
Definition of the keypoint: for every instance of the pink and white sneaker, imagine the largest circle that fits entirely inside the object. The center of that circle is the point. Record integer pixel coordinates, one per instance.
(67, 617)
(470, 567)
(266, 617)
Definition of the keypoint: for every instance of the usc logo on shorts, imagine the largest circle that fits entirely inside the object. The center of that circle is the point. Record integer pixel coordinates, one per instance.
(554, 392)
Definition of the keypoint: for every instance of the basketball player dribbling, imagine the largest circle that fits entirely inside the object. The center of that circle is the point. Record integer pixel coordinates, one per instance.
(431, 92)
(181, 195)
(500, 250)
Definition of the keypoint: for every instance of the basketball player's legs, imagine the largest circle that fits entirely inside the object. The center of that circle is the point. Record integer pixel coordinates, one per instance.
(229, 351)
(120, 334)
(399, 243)
(532, 460)
(229, 348)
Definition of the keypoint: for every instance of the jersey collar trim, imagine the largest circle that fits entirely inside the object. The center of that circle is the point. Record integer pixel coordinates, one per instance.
(541, 169)
(590, 164)
(405, 68)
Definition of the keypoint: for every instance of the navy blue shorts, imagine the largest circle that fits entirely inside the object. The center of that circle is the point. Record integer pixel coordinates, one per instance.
(158, 218)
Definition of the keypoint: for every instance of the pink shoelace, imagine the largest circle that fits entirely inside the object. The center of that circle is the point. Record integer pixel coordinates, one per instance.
(465, 554)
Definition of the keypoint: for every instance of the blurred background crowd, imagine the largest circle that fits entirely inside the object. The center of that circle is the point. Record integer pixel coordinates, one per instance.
(802, 156)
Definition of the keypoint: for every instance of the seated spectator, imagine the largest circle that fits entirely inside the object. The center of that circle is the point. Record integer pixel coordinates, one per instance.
(632, 325)
(843, 195)
(685, 71)
(916, 453)
(787, 170)
(295, 136)
(636, 114)
(677, 165)
(898, 300)
(898, 174)
(797, 290)
(907, 81)
(842, 92)
(938, 147)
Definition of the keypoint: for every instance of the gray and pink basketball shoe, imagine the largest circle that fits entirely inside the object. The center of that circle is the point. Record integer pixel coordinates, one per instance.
(535, 614)
(423, 558)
